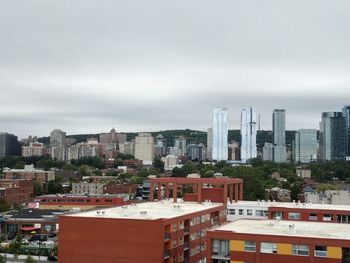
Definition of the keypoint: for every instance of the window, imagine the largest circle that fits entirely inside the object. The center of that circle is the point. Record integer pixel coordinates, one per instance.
(249, 212)
(203, 218)
(261, 212)
(268, 248)
(174, 227)
(294, 216)
(313, 217)
(203, 232)
(327, 217)
(232, 211)
(249, 246)
(320, 251)
(221, 248)
(181, 225)
(240, 212)
(301, 250)
(174, 243)
(181, 241)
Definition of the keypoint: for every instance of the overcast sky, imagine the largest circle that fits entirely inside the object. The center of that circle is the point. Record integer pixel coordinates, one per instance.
(84, 66)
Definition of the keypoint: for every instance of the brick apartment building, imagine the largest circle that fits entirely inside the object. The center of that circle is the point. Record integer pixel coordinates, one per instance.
(147, 232)
(29, 173)
(16, 191)
(265, 241)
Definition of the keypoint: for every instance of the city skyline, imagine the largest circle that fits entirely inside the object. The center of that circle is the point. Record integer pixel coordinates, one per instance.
(81, 73)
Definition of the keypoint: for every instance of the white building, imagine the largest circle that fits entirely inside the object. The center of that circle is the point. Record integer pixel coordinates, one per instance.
(248, 210)
(334, 197)
(220, 134)
(248, 134)
(144, 147)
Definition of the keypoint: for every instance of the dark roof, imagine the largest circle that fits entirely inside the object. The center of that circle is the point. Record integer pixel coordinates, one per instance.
(35, 214)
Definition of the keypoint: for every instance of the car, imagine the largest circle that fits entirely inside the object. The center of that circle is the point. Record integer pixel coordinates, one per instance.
(38, 237)
(53, 234)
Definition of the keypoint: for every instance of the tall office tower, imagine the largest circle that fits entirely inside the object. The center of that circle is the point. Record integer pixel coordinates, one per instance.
(305, 146)
(332, 136)
(279, 135)
(57, 138)
(180, 144)
(346, 114)
(220, 134)
(248, 134)
(144, 147)
(210, 144)
(9, 145)
(268, 152)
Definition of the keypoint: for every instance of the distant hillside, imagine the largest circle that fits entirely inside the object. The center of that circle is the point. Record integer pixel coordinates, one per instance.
(193, 136)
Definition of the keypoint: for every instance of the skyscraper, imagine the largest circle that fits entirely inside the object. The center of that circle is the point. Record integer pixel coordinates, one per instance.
(210, 144)
(248, 134)
(305, 146)
(279, 135)
(9, 145)
(180, 144)
(144, 147)
(57, 138)
(346, 114)
(220, 134)
(332, 136)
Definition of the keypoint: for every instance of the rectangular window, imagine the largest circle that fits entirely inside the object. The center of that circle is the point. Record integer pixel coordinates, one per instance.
(301, 250)
(232, 211)
(270, 248)
(327, 217)
(240, 212)
(313, 217)
(320, 251)
(294, 216)
(249, 212)
(249, 246)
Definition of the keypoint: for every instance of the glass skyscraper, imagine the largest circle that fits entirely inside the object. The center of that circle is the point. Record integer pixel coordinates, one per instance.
(220, 134)
(279, 135)
(248, 134)
(332, 136)
(305, 146)
(346, 114)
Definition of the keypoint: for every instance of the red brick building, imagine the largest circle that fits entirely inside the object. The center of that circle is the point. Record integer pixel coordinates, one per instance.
(265, 241)
(310, 212)
(16, 191)
(75, 201)
(29, 173)
(147, 232)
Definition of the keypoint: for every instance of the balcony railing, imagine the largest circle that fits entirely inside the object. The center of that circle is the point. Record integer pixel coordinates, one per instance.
(166, 254)
(167, 236)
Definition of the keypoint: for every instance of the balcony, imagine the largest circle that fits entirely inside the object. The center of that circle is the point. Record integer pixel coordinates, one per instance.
(166, 254)
(186, 246)
(166, 236)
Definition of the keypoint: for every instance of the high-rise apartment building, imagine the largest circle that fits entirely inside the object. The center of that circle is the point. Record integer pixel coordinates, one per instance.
(210, 144)
(268, 152)
(34, 149)
(220, 134)
(144, 147)
(248, 134)
(346, 115)
(332, 136)
(9, 145)
(305, 146)
(57, 138)
(180, 143)
(279, 135)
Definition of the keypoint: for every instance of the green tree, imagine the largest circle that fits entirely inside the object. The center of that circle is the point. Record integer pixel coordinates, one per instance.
(209, 173)
(20, 165)
(190, 168)
(38, 188)
(54, 187)
(158, 164)
(2, 259)
(136, 180)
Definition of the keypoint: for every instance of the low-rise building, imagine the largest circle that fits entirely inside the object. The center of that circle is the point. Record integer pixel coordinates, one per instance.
(335, 197)
(30, 173)
(16, 191)
(34, 149)
(279, 241)
(68, 202)
(248, 210)
(84, 188)
(156, 232)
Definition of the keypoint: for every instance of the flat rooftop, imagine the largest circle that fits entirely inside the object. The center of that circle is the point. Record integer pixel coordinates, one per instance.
(289, 205)
(288, 228)
(150, 210)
